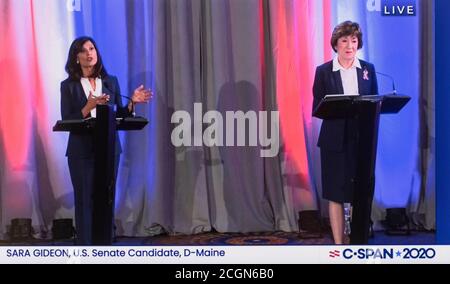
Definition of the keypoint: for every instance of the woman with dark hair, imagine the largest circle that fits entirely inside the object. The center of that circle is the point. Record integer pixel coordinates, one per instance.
(345, 74)
(87, 86)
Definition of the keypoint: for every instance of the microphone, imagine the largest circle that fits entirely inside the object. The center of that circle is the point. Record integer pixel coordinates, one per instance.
(394, 91)
(133, 113)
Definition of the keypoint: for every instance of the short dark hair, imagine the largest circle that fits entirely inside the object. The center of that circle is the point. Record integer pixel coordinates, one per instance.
(347, 28)
(74, 69)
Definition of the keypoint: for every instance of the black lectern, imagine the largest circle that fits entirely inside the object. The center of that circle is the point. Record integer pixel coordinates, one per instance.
(366, 110)
(103, 128)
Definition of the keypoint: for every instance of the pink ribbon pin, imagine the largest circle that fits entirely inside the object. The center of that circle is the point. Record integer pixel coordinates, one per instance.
(366, 74)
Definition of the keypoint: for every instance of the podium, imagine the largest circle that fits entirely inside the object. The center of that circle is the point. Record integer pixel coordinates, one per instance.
(103, 128)
(366, 110)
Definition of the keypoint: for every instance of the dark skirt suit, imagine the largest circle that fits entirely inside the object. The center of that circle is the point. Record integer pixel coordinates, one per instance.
(80, 150)
(338, 137)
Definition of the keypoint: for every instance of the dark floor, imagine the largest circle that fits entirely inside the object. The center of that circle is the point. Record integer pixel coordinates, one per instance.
(266, 238)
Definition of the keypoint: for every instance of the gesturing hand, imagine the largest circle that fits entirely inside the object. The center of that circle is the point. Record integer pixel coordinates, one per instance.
(93, 101)
(141, 95)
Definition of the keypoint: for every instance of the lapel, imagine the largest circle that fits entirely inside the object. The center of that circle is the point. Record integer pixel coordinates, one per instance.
(109, 88)
(359, 73)
(364, 81)
(106, 86)
(77, 90)
(337, 81)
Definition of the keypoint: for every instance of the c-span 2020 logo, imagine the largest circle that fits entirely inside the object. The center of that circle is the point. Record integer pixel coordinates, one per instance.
(408, 253)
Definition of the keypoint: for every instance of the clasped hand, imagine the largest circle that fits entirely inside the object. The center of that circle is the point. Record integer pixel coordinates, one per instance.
(93, 101)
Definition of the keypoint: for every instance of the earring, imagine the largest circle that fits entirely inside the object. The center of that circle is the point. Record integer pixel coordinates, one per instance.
(78, 62)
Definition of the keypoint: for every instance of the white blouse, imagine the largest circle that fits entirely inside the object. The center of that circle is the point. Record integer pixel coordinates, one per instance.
(87, 87)
(349, 76)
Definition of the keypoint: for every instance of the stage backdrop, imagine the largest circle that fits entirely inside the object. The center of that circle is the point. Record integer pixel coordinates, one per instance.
(230, 55)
